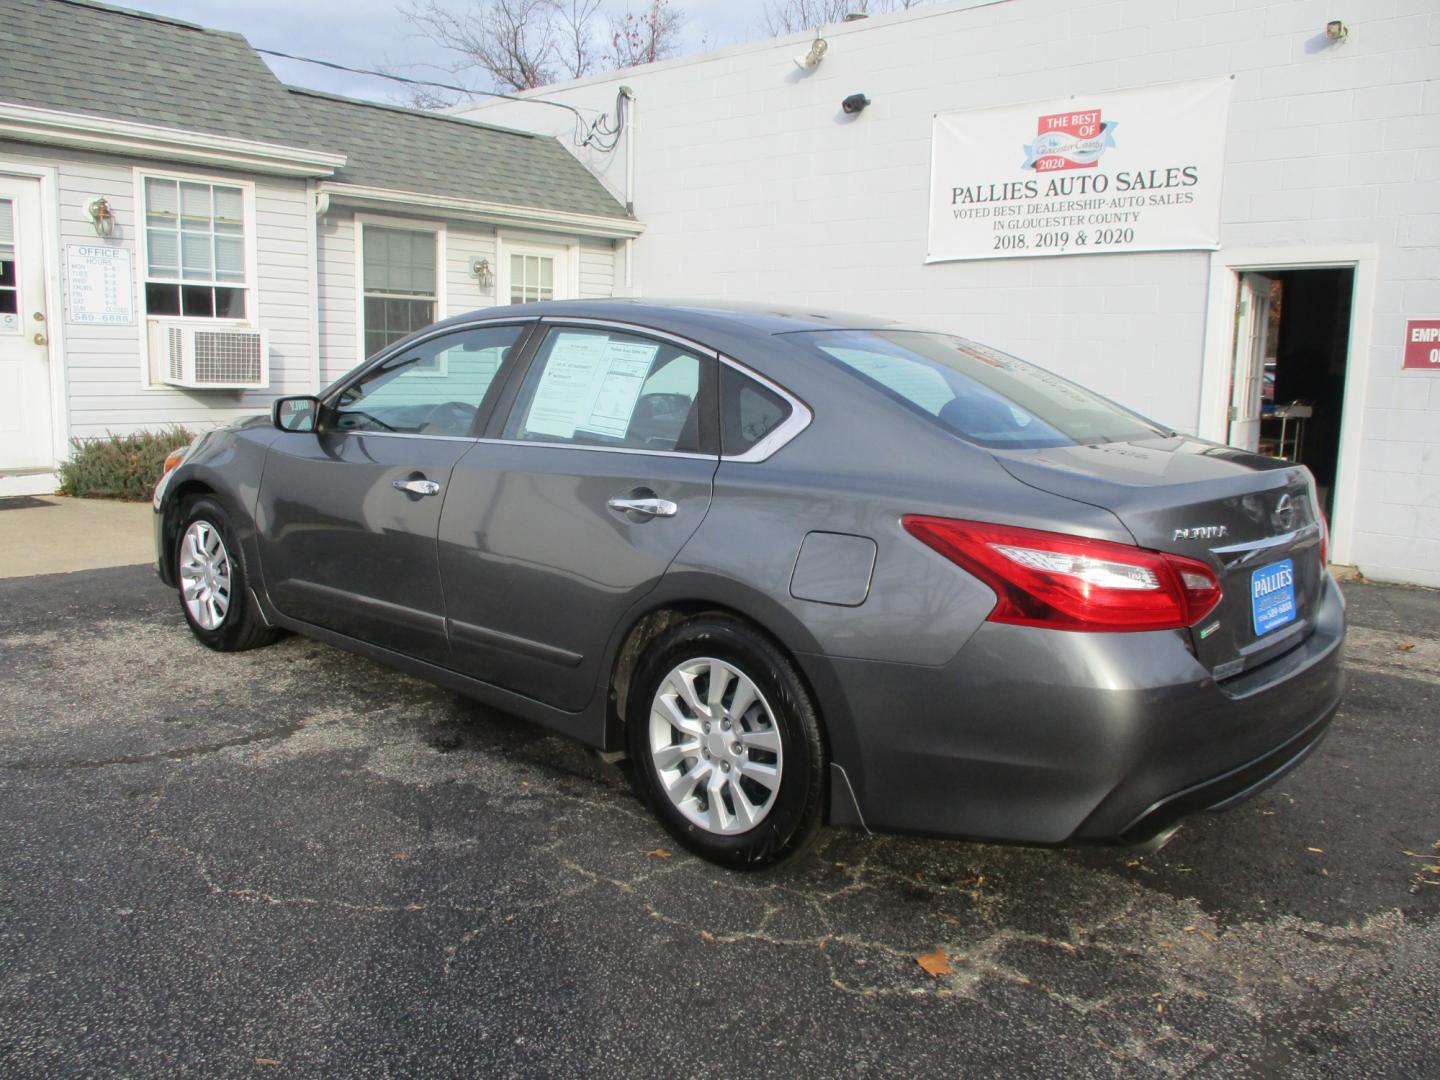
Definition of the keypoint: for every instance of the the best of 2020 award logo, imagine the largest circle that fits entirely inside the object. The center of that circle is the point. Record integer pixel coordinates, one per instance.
(1070, 140)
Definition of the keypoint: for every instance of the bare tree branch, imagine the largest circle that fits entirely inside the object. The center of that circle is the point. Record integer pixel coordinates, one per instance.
(781, 17)
(512, 41)
(653, 34)
(577, 20)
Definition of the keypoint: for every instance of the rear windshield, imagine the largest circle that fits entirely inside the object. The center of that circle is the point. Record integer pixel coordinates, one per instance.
(976, 392)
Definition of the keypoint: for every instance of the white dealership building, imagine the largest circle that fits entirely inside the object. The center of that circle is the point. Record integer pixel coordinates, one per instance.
(1224, 214)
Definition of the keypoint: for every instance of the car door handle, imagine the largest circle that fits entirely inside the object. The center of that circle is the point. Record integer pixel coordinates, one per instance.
(649, 507)
(417, 487)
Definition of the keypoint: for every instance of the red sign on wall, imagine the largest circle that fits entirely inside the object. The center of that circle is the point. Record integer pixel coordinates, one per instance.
(1422, 344)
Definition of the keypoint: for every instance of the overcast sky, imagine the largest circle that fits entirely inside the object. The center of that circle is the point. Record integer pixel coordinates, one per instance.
(373, 33)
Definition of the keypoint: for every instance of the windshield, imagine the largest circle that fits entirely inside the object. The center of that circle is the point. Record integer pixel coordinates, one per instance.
(976, 392)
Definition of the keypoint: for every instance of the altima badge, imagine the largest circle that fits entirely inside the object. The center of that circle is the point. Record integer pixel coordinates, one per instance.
(1202, 532)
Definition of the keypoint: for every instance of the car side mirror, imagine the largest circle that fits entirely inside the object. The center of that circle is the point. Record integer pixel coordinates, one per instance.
(295, 413)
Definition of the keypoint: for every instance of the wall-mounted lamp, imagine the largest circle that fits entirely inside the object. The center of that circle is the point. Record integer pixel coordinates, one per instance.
(480, 267)
(101, 216)
(855, 103)
(1336, 30)
(811, 59)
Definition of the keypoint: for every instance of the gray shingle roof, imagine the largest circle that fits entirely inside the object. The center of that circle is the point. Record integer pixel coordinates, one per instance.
(406, 150)
(78, 56)
(102, 61)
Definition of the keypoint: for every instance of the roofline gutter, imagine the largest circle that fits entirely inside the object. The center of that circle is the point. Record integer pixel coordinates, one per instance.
(27, 123)
(356, 195)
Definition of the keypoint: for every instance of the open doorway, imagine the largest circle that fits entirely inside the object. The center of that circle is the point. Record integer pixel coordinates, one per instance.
(1291, 355)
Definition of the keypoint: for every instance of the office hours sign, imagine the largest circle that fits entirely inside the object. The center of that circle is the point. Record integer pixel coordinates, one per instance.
(1124, 170)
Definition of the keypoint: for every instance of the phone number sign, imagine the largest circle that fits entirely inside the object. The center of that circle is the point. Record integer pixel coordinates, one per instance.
(1422, 345)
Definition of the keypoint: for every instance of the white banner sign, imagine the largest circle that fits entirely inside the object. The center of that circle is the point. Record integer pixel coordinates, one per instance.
(1125, 170)
(101, 289)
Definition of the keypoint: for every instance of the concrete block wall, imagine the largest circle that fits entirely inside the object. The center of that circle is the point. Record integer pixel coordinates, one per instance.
(754, 185)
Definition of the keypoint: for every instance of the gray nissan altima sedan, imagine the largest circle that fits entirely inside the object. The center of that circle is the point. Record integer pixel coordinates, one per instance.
(800, 567)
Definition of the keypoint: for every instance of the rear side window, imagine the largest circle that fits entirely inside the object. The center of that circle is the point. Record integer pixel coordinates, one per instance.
(976, 392)
(749, 411)
(607, 388)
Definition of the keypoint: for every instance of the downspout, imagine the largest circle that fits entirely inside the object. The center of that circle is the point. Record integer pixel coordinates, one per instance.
(319, 202)
(629, 96)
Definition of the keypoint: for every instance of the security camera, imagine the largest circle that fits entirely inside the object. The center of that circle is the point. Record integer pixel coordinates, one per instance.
(855, 103)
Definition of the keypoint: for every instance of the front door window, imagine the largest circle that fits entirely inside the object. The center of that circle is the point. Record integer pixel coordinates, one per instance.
(434, 387)
(9, 286)
(532, 278)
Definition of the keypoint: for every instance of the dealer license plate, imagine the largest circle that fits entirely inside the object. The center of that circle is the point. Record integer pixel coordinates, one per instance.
(1272, 596)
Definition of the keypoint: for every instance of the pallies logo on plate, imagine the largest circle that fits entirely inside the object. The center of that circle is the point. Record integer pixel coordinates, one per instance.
(1069, 140)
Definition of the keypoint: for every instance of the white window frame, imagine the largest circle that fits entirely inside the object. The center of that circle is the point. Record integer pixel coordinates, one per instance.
(565, 250)
(251, 285)
(386, 221)
(247, 234)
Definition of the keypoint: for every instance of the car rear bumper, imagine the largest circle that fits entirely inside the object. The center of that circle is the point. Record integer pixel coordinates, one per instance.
(1043, 736)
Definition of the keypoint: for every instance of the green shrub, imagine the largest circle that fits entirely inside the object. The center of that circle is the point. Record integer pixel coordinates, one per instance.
(119, 466)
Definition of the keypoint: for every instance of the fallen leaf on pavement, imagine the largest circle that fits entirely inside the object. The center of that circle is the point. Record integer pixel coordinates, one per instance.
(1405, 646)
(267, 1062)
(658, 853)
(935, 963)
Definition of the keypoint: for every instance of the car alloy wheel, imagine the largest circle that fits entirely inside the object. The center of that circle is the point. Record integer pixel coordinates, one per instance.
(715, 745)
(205, 575)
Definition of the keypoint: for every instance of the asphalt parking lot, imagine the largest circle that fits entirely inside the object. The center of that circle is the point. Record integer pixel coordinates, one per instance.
(294, 862)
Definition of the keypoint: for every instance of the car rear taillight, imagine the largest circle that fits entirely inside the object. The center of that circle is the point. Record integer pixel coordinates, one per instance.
(1073, 582)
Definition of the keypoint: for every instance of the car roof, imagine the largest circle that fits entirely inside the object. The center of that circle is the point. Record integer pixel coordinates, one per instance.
(697, 319)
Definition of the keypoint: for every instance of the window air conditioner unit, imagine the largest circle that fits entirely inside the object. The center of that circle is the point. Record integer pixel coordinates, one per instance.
(204, 357)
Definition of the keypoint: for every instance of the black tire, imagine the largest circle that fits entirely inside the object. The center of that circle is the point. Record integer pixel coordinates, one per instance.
(242, 626)
(794, 818)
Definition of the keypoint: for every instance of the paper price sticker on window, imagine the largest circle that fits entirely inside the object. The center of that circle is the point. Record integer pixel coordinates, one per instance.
(590, 384)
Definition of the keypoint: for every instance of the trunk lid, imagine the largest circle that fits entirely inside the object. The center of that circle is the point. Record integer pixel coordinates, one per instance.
(1251, 518)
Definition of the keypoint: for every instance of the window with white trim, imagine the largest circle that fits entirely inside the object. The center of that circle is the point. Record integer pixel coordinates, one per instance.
(532, 278)
(9, 287)
(399, 271)
(195, 261)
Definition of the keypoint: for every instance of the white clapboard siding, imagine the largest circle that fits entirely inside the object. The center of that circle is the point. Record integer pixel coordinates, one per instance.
(465, 241)
(339, 332)
(597, 268)
(105, 366)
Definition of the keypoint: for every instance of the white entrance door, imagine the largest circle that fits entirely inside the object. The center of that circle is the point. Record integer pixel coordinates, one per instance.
(25, 433)
(1252, 326)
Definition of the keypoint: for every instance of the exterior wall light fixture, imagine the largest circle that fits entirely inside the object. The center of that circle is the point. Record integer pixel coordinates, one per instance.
(480, 267)
(1336, 30)
(855, 103)
(811, 59)
(101, 216)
